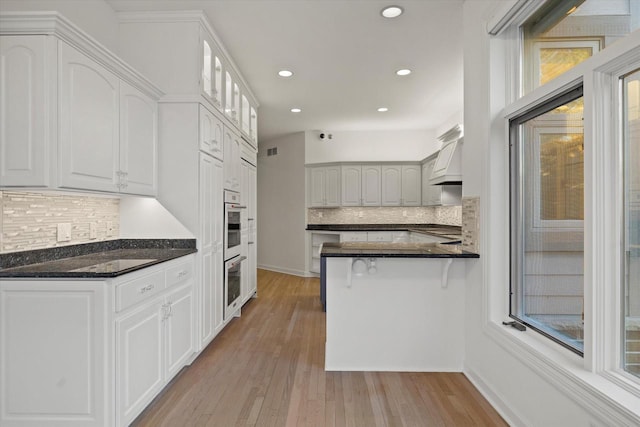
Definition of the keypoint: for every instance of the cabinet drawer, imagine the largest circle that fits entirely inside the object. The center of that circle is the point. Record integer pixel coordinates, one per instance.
(380, 236)
(354, 236)
(130, 293)
(179, 274)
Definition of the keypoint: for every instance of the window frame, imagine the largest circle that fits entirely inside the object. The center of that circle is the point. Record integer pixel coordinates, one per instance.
(519, 207)
(596, 381)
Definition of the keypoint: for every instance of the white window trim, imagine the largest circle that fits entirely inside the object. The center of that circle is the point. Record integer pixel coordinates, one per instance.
(594, 382)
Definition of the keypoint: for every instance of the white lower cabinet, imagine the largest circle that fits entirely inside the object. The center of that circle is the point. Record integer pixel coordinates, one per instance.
(93, 353)
(139, 360)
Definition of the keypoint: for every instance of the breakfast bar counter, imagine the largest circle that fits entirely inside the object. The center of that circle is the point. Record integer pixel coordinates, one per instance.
(394, 306)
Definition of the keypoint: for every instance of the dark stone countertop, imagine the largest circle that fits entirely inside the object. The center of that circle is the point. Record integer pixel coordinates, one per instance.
(94, 260)
(452, 232)
(394, 250)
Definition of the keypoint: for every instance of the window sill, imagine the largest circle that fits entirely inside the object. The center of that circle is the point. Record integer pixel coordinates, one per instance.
(603, 396)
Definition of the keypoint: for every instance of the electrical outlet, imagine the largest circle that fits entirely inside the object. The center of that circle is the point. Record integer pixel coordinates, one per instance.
(320, 214)
(360, 214)
(404, 214)
(109, 229)
(93, 230)
(64, 232)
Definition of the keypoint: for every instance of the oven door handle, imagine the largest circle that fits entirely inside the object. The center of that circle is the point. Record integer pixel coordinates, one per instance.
(238, 207)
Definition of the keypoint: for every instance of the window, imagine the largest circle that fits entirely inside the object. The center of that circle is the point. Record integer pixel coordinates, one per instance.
(563, 33)
(631, 233)
(547, 212)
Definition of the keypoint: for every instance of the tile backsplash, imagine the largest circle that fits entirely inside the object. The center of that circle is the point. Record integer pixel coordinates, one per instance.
(30, 220)
(446, 215)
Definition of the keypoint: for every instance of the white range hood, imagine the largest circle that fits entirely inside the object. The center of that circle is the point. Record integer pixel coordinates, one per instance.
(448, 167)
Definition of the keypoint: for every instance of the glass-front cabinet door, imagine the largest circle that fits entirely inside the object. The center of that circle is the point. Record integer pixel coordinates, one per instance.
(211, 81)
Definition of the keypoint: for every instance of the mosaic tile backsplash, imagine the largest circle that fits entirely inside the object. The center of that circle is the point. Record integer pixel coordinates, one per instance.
(30, 220)
(445, 215)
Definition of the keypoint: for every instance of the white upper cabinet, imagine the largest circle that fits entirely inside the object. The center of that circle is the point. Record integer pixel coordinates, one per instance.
(324, 186)
(411, 185)
(232, 160)
(351, 185)
(26, 126)
(211, 82)
(138, 142)
(401, 185)
(89, 123)
(361, 185)
(391, 185)
(80, 118)
(108, 129)
(371, 185)
(211, 133)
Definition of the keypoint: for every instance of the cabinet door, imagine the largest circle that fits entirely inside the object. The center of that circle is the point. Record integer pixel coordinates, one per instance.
(236, 162)
(211, 80)
(228, 162)
(371, 181)
(351, 186)
(411, 175)
(54, 353)
(139, 360)
(89, 123)
(138, 142)
(391, 185)
(25, 121)
(211, 133)
(332, 186)
(316, 186)
(179, 330)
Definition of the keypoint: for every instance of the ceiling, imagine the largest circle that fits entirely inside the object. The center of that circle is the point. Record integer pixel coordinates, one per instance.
(344, 55)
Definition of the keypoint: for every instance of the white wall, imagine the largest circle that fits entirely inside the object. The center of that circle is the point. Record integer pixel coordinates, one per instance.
(370, 146)
(95, 17)
(517, 385)
(281, 205)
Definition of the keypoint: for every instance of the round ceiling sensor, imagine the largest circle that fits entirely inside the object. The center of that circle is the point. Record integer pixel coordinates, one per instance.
(392, 11)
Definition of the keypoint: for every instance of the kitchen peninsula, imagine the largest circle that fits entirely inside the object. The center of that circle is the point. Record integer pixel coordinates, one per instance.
(394, 306)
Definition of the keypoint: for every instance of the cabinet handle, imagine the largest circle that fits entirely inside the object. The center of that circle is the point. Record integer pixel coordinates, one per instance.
(250, 243)
(147, 288)
(182, 273)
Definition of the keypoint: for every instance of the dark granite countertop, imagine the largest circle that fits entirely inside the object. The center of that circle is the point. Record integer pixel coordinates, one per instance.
(447, 231)
(394, 250)
(94, 260)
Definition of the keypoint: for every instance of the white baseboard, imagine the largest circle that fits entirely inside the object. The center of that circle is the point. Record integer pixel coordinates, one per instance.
(299, 273)
(498, 404)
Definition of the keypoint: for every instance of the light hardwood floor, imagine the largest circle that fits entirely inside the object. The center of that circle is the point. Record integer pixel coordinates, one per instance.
(266, 368)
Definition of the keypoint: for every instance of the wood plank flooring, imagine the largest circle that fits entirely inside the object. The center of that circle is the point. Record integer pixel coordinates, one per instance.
(266, 368)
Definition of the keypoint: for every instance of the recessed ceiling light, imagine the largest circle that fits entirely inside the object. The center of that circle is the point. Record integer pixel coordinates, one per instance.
(296, 110)
(383, 109)
(403, 72)
(392, 11)
(285, 73)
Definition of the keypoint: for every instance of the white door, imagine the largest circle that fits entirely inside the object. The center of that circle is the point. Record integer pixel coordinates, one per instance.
(351, 185)
(411, 176)
(371, 180)
(25, 119)
(89, 123)
(179, 325)
(138, 142)
(139, 360)
(391, 185)
(332, 186)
